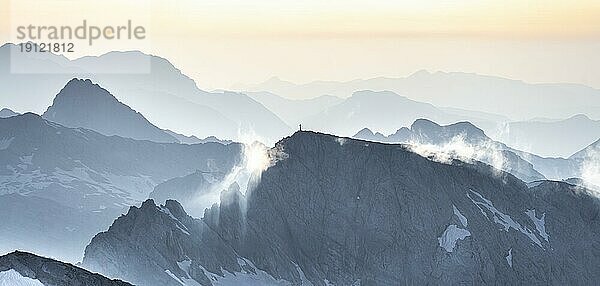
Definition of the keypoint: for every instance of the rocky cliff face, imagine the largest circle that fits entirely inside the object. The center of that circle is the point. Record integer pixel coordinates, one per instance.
(341, 211)
(22, 268)
(162, 245)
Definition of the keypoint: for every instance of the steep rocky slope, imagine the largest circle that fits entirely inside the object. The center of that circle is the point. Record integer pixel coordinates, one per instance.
(341, 211)
(22, 268)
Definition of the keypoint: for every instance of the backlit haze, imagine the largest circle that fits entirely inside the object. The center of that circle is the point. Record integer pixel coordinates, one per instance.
(222, 43)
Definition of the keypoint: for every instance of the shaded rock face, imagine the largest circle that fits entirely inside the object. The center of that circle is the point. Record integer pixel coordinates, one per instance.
(82, 103)
(51, 272)
(375, 213)
(341, 211)
(152, 244)
(60, 186)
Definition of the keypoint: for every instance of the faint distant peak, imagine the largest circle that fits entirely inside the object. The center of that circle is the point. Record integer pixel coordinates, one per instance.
(5, 113)
(580, 117)
(423, 123)
(363, 93)
(421, 73)
(84, 87)
(275, 80)
(364, 132)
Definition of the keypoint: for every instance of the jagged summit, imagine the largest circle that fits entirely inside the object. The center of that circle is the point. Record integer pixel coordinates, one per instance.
(162, 245)
(426, 131)
(364, 132)
(82, 103)
(438, 133)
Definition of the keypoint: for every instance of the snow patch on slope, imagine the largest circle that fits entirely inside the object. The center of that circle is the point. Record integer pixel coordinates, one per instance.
(540, 224)
(188, 280)
(461, 217)
(5, 143)
(260, 278)
(509, 258)
(451, 235)
(174, 277)
(500, 218)
(20, 179)
(14, 278)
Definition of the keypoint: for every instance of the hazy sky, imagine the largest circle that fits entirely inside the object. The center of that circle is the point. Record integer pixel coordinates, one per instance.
(223, 42)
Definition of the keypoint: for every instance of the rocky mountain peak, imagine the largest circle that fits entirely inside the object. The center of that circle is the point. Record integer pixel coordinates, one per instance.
(82, 103)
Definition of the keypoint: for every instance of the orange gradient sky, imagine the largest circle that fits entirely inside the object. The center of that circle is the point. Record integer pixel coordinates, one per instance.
(223, 42)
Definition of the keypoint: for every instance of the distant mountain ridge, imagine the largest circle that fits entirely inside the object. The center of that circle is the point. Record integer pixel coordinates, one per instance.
(195, 140)
(459, 90)
(294, 112)
(384, 110)
(461, 137)
(81, 103)
(424, 131)
(157, 91)
(567, 136)
(62, 185)
(427, 131)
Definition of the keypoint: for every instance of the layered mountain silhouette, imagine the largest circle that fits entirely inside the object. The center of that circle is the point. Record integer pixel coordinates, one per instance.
(367, 213)
(82, 103)
(486, 101)
(525, 165)
(594, 147)
(62, 185)
(383, 110)
(459, 138)
(195, 140)
(160, 88)
(294, 112)
(155, 88)
(22, 268)
(459, 90)
(5, 113)
(565, 136)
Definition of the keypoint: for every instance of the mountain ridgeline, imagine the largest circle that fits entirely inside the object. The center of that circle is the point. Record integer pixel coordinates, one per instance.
(60, 185)
(148, 84)
(22, 268)
(362, 213)
(461, 137)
